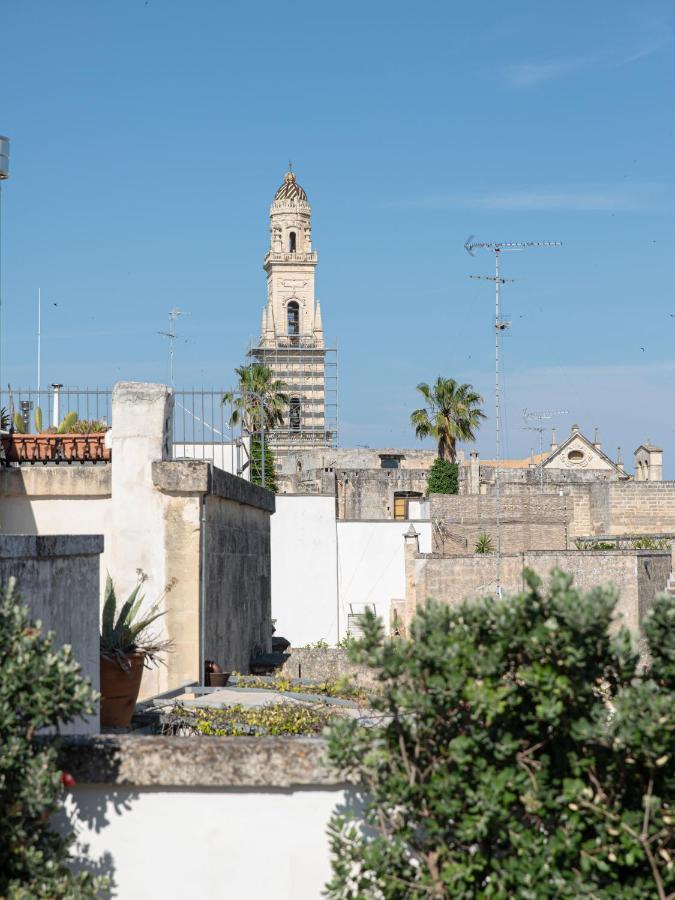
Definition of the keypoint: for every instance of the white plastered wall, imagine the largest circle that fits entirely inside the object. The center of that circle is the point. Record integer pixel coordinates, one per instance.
(312, 555)
(208, 843)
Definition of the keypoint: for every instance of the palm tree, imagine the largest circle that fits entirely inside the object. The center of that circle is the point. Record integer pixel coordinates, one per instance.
(257, 389)
(452, 414)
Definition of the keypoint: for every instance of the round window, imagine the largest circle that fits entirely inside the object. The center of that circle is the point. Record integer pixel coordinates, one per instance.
(575, 456)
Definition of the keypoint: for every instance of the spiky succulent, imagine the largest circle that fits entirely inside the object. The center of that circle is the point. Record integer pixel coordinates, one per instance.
(128, 633)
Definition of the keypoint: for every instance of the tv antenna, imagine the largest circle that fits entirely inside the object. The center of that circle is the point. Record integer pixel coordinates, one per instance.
(541, 417)
(496, 247)
(171, 334)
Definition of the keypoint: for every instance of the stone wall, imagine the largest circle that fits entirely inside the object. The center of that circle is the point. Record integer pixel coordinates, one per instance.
(326, 664)
(58, 579)
(528, 521)
(638, 574)
(609, 507)
(369, 494)
(217, 537)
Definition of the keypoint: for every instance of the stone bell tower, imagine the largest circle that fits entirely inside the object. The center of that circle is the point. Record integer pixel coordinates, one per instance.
(291, 341)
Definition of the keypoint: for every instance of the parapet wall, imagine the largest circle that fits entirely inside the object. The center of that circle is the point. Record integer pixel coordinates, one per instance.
(528, 521)
(638, 574)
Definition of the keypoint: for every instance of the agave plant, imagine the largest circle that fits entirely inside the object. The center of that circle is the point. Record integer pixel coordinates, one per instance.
(129, 633)
(484, 544)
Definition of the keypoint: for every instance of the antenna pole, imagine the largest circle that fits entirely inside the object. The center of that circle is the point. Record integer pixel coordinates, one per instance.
(498, 553)
(471, 245)
(39, 338)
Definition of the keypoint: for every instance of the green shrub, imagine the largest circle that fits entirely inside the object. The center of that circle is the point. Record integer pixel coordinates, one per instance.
(40, 686)
(522, 753)
(238, 720)
(443, 477)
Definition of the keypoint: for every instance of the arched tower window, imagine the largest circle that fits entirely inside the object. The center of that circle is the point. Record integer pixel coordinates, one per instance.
(294, 413)
(291, 242)
(293, 317)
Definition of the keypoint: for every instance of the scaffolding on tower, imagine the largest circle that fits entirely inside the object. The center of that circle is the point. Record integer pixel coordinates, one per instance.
(310, 372)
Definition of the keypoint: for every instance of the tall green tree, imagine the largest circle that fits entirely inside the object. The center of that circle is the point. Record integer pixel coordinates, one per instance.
(452, 413)
(260, 397)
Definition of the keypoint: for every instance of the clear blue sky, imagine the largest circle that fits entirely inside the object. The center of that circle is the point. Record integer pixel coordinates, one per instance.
(148, 139)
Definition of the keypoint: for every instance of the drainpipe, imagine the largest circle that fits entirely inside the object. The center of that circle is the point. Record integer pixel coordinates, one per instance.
(56, 420)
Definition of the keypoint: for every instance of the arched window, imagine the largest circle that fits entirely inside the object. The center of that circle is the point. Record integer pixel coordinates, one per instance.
(291, 242)
(294, 414)
(293, 317)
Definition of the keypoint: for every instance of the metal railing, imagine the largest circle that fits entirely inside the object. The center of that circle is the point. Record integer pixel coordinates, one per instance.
(93, 404)
(202, 430)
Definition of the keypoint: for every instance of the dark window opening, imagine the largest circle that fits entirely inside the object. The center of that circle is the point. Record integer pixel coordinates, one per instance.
(294, 414)
(291, 242)
(293, 317)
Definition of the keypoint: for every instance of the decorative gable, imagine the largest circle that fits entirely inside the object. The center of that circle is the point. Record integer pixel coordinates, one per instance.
(578, 453)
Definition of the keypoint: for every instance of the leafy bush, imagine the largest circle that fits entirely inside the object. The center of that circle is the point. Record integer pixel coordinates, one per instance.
(443, 477)
(484, 544)
(40, 686)
(647, 543)
(595, 545)
(522, 753)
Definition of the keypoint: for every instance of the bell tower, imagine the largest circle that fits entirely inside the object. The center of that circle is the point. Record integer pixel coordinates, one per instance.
(291, 340)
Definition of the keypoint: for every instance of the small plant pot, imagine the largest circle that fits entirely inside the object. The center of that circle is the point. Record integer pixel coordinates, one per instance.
(219, 679)
(68, 445)
(119, 689)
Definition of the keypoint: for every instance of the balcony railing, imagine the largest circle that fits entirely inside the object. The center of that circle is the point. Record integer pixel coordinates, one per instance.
(276, 256)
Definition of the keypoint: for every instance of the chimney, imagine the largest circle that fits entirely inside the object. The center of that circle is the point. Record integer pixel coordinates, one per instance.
(532, 464)
(619, 461)
(596, 439)
(554, 440)
(575, 429)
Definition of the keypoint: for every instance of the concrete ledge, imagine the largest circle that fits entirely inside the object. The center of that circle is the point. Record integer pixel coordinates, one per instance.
(156, 761)
(576, 554)
(31, 546)
(197, 476)
(69, 481)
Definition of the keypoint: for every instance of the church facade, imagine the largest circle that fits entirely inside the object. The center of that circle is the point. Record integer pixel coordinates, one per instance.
(291, 340)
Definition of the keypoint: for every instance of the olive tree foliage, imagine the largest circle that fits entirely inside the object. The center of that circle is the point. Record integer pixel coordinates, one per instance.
(40, 686)
(522, 751)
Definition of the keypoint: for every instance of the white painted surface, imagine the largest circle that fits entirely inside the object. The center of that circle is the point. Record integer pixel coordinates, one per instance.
(70, 515)
(212, 844)
(227, 456)
(372, 569)
(305, 546)
(304, 571)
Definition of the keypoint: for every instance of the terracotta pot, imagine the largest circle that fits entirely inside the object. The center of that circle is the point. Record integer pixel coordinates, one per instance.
(23, 447)
(45, 448)
(68, 445)
(119, 689)
(96, 446)
(219, 679)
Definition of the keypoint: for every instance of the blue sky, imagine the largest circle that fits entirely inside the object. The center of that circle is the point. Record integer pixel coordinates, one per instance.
(148, 139)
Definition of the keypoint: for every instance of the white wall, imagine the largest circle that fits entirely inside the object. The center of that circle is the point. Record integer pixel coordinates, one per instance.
(76, 515)
(304, 567)
(372, 567)
(304, 573)
(209, 843)
(226, 455)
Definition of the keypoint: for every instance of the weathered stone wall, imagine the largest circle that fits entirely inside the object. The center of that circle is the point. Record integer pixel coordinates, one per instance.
(217, 538)
(327, 664)
(58, 579)
(369, 494)
(609, 507)
(638, 574)
(528, 521)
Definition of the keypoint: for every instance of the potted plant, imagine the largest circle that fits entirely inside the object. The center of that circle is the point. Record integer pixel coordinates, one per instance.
(90, 440)
(127, 646)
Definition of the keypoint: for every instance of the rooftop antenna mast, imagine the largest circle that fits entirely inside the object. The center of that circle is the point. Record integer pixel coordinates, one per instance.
(497, 247)
(541, 417)
(171, 334)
